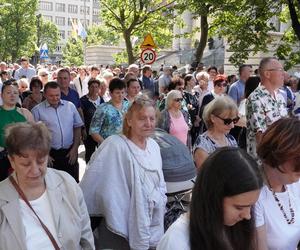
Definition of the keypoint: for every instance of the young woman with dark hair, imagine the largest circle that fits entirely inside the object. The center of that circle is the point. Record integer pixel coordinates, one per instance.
(227, 187)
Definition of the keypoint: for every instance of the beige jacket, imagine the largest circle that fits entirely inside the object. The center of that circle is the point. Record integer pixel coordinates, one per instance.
(69, 211)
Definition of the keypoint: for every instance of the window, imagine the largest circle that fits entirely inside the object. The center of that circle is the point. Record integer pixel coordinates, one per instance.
(95, 12)
(58, 48)
(44, 5)
(74, 21)
(87, 22)
(59, 20)
(48, 18)
(69, 33)
(72, 8)
(60, 7)
(87, 10)
(62, 34)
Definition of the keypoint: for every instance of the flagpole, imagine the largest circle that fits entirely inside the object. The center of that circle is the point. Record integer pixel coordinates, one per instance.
(84, 40)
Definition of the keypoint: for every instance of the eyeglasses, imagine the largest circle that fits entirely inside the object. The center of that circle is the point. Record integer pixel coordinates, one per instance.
(223, 84)
(279, 69)
(228, 121)
(178, 99)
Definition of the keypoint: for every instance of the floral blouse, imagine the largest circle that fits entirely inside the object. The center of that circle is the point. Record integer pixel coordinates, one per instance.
(205, 143)
(108, 120)
(262, 109)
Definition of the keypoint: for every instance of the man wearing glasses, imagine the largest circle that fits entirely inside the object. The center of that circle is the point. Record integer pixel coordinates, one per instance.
(265, 104)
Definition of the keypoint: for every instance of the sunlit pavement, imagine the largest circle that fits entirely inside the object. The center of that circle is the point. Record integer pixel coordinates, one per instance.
(81, 161)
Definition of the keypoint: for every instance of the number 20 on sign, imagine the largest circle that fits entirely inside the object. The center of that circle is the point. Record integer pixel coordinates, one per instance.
(148, 56)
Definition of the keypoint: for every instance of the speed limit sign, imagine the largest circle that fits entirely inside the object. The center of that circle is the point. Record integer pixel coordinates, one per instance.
(148, 56)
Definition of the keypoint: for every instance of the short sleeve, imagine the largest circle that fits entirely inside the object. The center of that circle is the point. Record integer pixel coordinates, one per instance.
(97, 121)
(233, 93)
(77, 121)
(259, 214)
(255, 115)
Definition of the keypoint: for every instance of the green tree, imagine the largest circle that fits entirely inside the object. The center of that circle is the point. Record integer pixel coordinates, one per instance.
(102, 35)
(244, 24)
(136, 18)
(73, 52)
(17, 29)
(48, 33)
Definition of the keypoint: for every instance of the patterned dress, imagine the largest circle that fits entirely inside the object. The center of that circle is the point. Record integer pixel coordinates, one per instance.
(108, 120)
(262, 109)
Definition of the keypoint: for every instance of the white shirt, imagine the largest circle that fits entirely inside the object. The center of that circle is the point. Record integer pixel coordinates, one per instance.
(36, 237)
(280, 235)
(177, 236)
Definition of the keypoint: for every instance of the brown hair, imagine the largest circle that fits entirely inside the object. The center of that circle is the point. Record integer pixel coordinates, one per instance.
(140, 101)
(27, 136)
(281, 143)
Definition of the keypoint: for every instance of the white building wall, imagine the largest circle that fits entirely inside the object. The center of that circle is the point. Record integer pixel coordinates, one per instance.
(60, 12)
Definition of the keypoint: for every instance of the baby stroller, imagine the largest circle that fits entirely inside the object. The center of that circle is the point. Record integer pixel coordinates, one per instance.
(179, 172)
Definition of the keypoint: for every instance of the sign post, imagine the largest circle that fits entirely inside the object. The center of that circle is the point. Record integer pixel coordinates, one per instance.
(44, 54)
(148, 54)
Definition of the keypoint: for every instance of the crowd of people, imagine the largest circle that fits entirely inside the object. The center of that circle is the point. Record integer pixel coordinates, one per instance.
(240, 135)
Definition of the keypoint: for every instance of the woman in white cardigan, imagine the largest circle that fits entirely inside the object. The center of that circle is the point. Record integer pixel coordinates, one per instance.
(124, 184)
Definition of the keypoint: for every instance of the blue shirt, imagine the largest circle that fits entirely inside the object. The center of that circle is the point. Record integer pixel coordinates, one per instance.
(72, 96)
(108, 120)
(28, 73)
(237, 91)
(60, 121)
(148, 84)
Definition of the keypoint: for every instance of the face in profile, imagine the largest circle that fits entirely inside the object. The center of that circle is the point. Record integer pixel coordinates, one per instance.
(30, 167)
(142, 122)
(238, 207)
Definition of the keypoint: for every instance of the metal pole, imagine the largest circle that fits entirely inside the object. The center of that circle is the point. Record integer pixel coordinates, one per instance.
(84, 41)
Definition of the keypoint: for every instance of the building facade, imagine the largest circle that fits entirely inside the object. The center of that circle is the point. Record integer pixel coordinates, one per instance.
(62, 12)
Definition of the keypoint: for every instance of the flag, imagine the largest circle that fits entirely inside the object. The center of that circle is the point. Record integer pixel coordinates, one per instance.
(74, 28)
(81, 30)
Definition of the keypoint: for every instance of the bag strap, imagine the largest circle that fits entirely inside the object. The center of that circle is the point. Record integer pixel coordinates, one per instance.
(22, 195)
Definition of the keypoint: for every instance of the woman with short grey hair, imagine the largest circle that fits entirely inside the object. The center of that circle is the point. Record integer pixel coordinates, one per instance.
(173, 119)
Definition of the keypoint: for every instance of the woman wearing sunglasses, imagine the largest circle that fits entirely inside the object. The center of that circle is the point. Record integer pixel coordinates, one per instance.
(173, 119)
(219, 116)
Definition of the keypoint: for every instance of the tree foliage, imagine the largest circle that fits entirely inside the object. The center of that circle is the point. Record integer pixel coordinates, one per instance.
(17, 28)
(132, 18)
(102, 35)
(48, 33)
(73, 52)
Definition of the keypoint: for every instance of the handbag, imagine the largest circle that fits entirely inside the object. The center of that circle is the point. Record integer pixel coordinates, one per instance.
(22, 195)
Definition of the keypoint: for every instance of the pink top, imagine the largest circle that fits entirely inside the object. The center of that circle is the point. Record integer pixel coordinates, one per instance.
(179, 128)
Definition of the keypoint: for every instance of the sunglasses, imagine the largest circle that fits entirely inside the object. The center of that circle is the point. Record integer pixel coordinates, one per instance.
(44, 75)
(228, 121)
(224, 84)
(178, 99)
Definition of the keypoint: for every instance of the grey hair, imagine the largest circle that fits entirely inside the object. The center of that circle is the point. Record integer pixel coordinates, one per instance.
(171, 96)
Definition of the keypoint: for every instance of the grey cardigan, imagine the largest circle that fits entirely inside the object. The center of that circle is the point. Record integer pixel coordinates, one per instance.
(69, 212)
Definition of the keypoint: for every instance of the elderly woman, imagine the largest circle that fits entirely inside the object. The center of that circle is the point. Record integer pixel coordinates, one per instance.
(202, 87)
(9, 113)
(36, 96)
(219, 116)
(40, 208)
(173, 119)
(277, 211)
(108, 117)
(226, 189)
(128, 189)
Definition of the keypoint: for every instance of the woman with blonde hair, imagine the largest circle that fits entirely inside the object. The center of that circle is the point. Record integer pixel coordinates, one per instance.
(219, 116)
(127, 191)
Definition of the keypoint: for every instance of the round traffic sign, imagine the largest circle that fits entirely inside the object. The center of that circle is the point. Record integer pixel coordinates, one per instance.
(148, 56)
